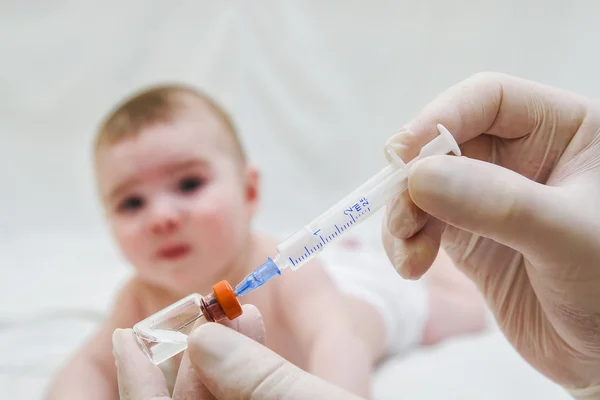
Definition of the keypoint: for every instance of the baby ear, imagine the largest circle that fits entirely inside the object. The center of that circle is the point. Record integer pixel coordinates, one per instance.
(252, 187)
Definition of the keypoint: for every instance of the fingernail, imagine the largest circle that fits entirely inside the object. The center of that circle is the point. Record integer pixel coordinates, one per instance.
(413, 275)
(403, 131)
(390, 214)
(399, 259)
(117, 339)
(404, 144)
(393, 156)
(397, 140)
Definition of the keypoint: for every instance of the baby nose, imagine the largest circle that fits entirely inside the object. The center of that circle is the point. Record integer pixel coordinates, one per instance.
(164, 219)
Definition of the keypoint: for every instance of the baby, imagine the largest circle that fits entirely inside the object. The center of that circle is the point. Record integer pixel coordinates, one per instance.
(180, 197)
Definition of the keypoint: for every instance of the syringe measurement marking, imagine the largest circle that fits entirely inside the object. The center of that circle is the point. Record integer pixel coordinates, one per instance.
(323, 241)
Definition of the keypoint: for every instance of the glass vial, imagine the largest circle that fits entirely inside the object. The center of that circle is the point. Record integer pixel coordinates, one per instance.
(164, 334)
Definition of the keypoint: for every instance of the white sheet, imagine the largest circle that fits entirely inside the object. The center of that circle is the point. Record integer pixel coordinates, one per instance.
(315, 87)
(468, 368)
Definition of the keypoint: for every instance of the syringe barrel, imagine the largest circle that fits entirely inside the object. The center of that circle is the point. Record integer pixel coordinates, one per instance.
(357, 206)
(307, 242)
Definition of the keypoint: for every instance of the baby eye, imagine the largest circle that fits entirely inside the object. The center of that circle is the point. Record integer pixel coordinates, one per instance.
(131, 203)
(189, 185)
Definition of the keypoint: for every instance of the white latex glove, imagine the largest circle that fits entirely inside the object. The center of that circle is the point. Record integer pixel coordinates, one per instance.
(524, 225)
(219, 363)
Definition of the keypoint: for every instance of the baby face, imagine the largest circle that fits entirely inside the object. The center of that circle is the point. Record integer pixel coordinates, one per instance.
(178, 201)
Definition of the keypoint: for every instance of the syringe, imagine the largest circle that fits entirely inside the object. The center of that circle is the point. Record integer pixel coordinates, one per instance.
(359, 205)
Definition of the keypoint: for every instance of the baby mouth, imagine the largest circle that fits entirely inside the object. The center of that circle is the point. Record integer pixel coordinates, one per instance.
(174, 252)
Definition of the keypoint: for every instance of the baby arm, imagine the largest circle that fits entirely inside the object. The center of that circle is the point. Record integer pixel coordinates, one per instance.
(343, 337)
(91, 373)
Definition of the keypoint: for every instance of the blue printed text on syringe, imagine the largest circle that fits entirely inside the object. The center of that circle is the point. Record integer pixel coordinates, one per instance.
(323, 235)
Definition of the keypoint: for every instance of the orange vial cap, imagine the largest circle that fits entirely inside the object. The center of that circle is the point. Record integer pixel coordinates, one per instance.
(227, 299)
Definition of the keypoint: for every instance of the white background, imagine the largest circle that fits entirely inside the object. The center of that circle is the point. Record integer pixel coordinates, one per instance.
(315, 88)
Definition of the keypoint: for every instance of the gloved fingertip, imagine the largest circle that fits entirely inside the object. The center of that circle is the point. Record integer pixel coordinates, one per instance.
(119, 338)
(398, 145)
(403, 218)
(251, 311)
(431, 176)
(399, 259)
(400, 134)
(409, 273)
(203, 333)
(250, 323)
(209, 336)
(391, 211)
(414, 256)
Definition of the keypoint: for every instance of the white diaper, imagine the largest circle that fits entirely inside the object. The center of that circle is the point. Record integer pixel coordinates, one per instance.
(369, 275)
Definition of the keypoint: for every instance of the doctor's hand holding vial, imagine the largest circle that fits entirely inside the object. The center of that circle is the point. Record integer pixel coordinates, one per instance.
(220, 364)
(518, 215)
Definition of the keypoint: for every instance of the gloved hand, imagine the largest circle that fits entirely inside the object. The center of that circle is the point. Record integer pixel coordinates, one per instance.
(520, 215)
(219, 363)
